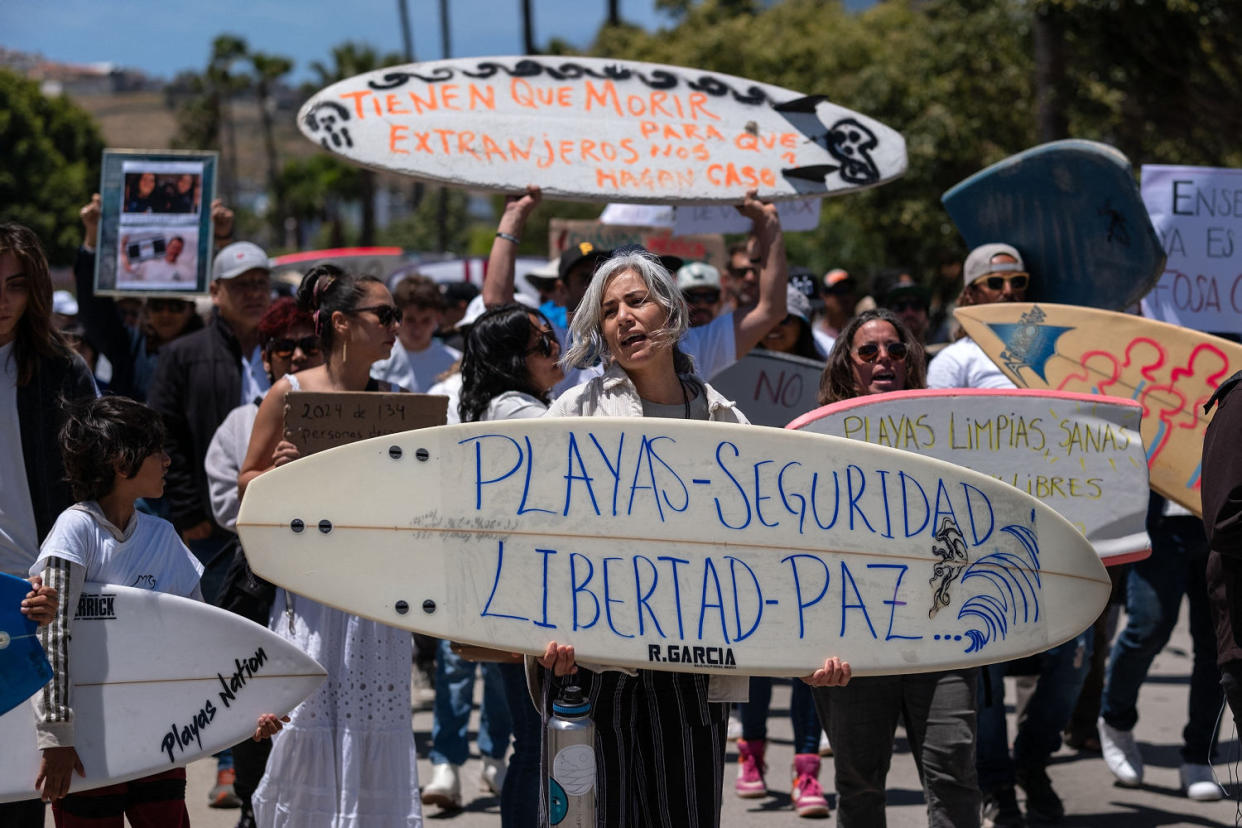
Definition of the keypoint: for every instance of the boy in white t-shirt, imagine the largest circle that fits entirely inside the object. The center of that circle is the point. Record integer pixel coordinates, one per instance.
(113, 451)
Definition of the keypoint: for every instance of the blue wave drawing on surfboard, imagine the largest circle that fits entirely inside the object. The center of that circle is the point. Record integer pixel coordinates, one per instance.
(1013, 586)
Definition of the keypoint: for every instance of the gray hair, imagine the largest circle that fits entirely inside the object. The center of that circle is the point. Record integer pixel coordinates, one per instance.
(587, 343)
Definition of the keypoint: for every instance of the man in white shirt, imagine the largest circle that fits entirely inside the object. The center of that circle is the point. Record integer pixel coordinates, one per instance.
(165, 270)
(417, 358)
(992, 273)
(995, 273)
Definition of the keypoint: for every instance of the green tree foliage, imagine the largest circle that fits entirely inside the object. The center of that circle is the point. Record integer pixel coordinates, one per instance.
(317, 188)
(51, 150)
(420, 231)
(351, 59)
(1159, 79)
(953, 77)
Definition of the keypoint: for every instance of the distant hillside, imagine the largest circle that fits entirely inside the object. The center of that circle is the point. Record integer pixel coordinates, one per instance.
(143, 120)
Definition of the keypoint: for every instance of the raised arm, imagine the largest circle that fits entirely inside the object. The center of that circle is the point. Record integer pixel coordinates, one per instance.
(750, 325)
(268, 446)
(498, 284)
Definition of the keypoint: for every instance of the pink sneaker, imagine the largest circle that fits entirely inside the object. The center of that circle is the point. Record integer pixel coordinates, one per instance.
(750, 769)
(807, 796)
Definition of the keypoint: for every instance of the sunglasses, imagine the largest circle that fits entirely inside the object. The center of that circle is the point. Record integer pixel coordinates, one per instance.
(546, 345)
(1018, 281)
(386, 314)
(740, 272)
(701, 297)
(167, 305)
(870, 351)
(284, 347)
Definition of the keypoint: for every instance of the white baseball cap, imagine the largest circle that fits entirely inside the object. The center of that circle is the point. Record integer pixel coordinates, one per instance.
(238, 258)
(696, 275)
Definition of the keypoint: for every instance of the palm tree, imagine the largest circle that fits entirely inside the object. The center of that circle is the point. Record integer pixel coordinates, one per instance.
(351, 59)
(226, 50)
(268, 70)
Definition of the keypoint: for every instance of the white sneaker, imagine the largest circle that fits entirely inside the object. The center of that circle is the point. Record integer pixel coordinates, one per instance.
(1121, 754)
(444, 789)
(735, 726)
(825, 749)
(1199, 784)
(493, 775)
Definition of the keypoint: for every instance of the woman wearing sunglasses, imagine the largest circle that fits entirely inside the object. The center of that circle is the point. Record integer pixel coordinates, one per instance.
(876, 354)
(347, 757)
(510, 363)
(654, 730)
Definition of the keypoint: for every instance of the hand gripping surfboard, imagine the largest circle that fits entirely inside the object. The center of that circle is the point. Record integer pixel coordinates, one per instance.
(676, 545)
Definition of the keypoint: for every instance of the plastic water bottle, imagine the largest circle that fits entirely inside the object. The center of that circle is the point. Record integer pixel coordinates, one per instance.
(571, 761)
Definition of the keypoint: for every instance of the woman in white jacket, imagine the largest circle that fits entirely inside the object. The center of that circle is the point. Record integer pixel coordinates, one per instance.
(659, 736)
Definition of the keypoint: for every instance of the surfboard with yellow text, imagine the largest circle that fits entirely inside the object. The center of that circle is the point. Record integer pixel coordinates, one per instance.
(1078, 453)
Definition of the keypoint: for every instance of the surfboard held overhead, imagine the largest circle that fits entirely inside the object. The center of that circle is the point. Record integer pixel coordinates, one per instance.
(674, 545)
(601, 130)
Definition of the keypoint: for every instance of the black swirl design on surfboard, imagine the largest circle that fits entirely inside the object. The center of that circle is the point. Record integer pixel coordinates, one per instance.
(659, 79)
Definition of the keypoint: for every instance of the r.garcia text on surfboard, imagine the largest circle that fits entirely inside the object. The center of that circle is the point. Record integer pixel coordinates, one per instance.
(180, 738)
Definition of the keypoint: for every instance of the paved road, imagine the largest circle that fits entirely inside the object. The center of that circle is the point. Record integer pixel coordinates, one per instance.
(1091, 798)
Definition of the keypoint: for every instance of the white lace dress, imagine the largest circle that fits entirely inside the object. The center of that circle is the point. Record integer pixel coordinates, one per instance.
(346, 759)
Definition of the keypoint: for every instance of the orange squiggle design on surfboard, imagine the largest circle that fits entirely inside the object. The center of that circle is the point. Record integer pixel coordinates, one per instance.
(1164, 396)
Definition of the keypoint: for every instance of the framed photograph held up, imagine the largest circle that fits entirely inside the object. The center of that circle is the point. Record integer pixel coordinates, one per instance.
(155, 230)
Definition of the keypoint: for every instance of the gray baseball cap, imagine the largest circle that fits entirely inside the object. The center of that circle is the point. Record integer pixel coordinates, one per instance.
(238, 258)
(979, 262)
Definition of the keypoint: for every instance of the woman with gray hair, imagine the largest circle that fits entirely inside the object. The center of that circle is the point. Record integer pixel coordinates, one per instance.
(659, 736)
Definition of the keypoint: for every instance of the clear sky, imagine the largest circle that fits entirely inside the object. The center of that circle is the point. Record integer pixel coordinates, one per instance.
(162, 37)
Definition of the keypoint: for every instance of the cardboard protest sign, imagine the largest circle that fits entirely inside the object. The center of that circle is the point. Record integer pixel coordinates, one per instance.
(771, 388)
(1197, 212)
(1081, 454)
(318, 420)
(601, 130)
(565, 233)
(689, 219)
(155, 230)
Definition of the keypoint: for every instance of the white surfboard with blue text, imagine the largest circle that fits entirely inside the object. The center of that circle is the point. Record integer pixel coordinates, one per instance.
(676, 545)
(158, 681)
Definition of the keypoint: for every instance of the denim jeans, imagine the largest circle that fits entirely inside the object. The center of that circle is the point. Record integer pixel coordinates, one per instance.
(519, 799)
(802, 715)
(454, 698)
(1154, 589)
(1061, 673)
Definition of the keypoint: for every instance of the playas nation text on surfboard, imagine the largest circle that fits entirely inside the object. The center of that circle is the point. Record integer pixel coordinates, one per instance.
(601, 130)
(158, 681)
(1080, 454)
(1171, 371)
(676, 545)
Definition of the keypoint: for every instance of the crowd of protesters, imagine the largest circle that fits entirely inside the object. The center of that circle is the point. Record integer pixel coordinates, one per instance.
(615, 333)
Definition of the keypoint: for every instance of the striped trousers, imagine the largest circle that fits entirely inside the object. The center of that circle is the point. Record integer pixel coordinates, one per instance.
(659, 748)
